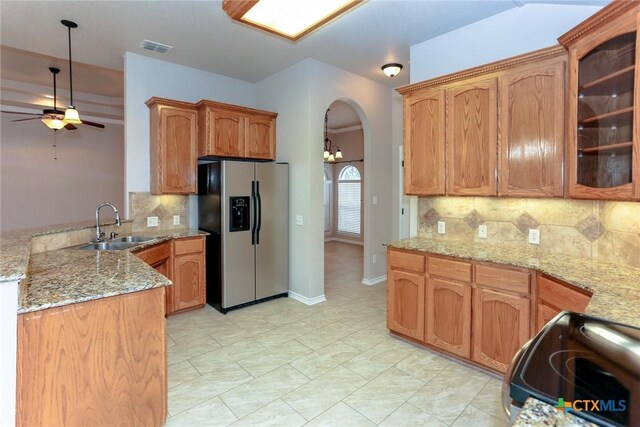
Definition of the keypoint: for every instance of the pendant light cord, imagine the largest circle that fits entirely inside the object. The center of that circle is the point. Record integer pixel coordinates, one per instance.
(70, 70)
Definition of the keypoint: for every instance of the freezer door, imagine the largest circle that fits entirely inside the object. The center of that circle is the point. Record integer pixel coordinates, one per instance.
(272, 250)
(238, 258)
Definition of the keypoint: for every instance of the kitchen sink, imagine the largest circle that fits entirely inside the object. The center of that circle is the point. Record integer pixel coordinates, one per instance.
(107, 246)
(132, 239)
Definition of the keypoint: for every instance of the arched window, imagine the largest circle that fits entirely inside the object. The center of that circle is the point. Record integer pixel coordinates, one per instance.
(349, 200)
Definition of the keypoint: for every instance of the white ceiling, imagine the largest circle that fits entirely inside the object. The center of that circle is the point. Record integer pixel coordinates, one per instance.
(341, 115)
(204, 37)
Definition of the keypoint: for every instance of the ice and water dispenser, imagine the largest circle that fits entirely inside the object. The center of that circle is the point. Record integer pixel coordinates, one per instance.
(240, 213)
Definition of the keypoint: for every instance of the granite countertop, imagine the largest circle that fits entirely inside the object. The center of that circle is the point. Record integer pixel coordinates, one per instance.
(67, 276)
(615, 287)
(537, 413)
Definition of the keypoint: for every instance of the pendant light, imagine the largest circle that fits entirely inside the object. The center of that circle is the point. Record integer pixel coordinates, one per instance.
(71, 114)
(53, 121)
(328, 154)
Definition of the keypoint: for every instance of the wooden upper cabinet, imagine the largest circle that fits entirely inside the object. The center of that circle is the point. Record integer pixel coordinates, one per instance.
(602, 122)
(532, 99)
(232, 131)
(424, 143)
(173, 147)
(472, 120)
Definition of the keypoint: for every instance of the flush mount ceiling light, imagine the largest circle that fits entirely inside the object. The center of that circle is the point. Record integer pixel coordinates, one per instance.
(391, 69)
(291, 19)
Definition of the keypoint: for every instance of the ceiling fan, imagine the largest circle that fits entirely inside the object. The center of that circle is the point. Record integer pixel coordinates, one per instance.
(57, 119)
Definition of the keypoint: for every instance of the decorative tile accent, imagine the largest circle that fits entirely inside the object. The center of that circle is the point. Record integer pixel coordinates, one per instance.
(591, 228)
(474, 219)
(525, 222)
(431, 217)
(160, 211)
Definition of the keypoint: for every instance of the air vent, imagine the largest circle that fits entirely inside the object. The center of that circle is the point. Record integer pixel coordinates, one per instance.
(155, 46)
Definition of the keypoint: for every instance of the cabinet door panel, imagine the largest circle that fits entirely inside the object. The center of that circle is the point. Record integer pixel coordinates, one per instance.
(544, 314)
(260, 138)
(472, 138)
(177, 162)
(227, 133)
(406, 304)
(448, 322)
(501, 325)
(532, 130)
(424, 143)
(188, 281)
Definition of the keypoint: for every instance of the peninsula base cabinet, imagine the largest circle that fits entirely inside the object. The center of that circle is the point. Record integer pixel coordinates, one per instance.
(406, 294)
(95, 363)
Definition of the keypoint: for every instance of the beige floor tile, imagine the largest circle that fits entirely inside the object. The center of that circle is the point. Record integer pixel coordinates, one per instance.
(340, 415)
(408, 415)
(191, 393)
(477, 418)
(366, 338)
(449, 392)
(271, 359)
(489, 399)
(170, 342)
(212, 413)
(263, 390)
(229, 333)
(326, 335)
(285, 333)
(382, 396)
(423, 364)
(184, 351)
(275, 414)
(181, 372)
(224, 356)
(317, 396)
(379, 358)
(322, 360)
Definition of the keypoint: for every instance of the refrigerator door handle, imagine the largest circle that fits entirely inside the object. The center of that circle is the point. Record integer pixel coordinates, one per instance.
(255, 212)
(259, 213)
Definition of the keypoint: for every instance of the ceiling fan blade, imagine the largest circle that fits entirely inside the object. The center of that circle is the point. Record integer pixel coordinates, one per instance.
(98, 125)
(24, 120)
(69, 126)
(18, 112)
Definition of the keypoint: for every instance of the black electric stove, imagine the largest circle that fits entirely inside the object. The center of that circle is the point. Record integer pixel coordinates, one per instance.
(591, 364)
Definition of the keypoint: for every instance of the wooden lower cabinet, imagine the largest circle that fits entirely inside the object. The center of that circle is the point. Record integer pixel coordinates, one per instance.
(555, 296)
(188, 273)
(501, 325)
(406, 299)
(448, 316)
(95, 363)
(161, 259)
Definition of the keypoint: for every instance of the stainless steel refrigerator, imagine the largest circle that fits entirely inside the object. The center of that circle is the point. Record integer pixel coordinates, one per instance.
(244, 206)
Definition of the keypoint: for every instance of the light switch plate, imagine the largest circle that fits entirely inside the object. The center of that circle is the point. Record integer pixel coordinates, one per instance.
(176, 220)
(374, 259)
(441, 227)
(375, 200)
(152, 221)
(299, 220)
(534, 236)
(482, 231)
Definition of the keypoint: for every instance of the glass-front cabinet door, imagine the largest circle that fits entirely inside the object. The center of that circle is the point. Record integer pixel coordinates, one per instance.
(603, 118)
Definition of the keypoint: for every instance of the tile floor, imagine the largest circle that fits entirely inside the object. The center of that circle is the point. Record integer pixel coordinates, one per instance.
(282, 363)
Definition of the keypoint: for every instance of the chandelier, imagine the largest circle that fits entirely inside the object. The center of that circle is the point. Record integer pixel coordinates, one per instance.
(329, 155)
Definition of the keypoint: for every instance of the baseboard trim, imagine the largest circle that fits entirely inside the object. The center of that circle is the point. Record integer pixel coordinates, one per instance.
(374, 281)
(338, 239)
(307, 301)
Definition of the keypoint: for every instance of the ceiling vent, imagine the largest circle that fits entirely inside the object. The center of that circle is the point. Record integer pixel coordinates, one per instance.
(156, 47)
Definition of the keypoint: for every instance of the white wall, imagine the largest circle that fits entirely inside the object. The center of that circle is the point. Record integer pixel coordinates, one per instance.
(148, 77)
(510, 33)
(301, 94)
(39, 190)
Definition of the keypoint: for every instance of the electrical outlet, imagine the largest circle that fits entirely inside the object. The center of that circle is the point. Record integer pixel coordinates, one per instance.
(374, 259)
(375, 200)
(482, 231)
(441, 227)
(176, 220)
(534, 236)
(299, 220)
(152, 221)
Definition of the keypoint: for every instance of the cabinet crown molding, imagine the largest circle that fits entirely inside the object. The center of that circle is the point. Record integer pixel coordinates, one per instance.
(205, 103)
(153, 101)
(530, 57)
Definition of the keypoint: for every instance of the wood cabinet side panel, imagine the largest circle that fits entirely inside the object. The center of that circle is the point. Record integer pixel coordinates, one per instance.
(96, 363)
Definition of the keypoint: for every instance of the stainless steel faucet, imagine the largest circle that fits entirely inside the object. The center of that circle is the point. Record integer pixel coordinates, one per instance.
(99, 234)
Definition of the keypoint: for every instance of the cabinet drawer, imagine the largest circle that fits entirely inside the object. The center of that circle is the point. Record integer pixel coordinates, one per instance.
(411, 261)
(188, 246)
(450, 269)
(504, 278)
(561, 296)
(155, 254)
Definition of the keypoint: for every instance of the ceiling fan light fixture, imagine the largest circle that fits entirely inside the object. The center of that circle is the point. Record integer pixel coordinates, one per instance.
(53, 123)
(392, 69)
(71, 116)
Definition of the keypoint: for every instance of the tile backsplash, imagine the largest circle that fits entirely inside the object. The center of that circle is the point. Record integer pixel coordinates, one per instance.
(143, 205)
(591, 229)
